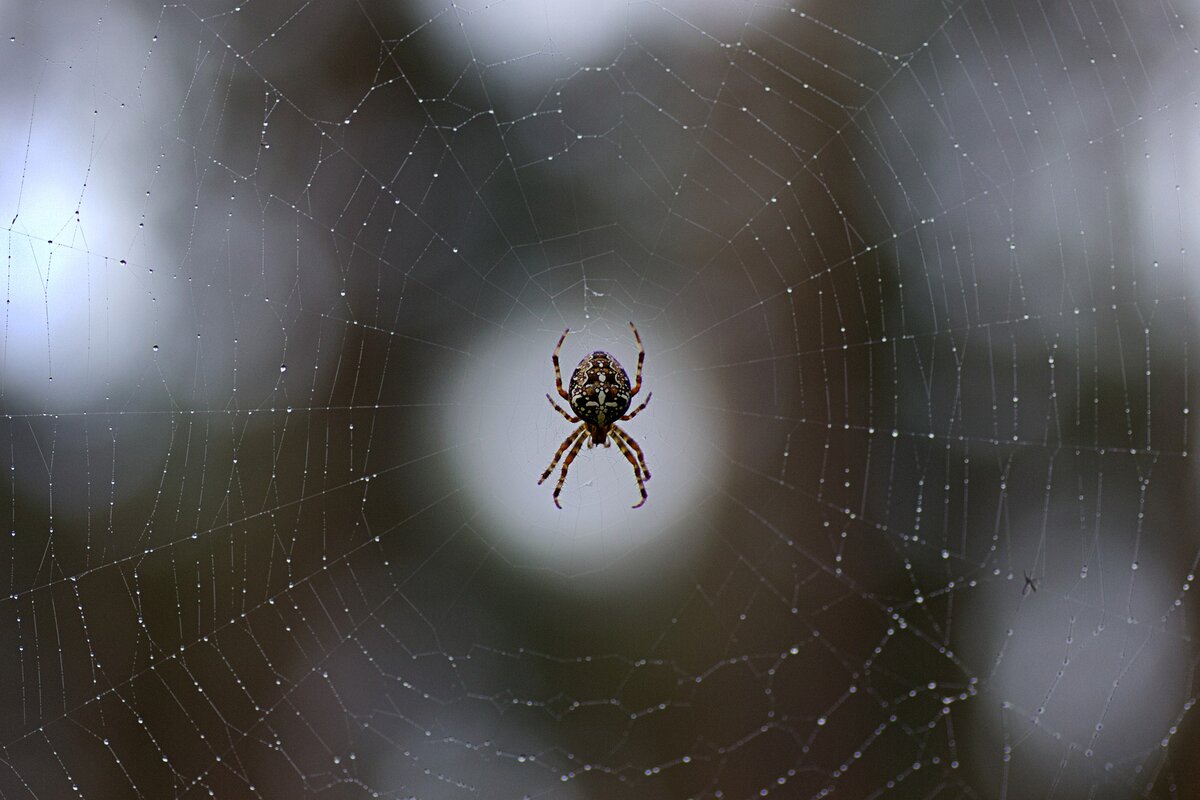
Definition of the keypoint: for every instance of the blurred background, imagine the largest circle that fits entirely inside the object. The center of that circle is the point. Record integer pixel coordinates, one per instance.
(282, 282)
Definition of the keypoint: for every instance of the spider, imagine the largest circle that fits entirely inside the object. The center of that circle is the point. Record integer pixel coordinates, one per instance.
(600, 396)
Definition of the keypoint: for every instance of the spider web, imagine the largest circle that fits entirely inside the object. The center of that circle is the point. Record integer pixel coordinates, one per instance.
(282, 283)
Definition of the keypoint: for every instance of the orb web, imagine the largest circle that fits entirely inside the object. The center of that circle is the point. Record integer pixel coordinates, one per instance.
(281, 286)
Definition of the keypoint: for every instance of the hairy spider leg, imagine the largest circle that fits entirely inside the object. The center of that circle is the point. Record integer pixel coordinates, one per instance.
(566, 416)
(635, 412)
(567, 464)
(620, 433)
(558, 375)
(637, 381)
(637, 471)
(572, 436)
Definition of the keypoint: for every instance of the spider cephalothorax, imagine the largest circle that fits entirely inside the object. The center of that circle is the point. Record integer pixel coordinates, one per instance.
(599, 395)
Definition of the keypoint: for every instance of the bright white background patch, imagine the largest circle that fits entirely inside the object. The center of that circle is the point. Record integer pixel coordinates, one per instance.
(508, 433)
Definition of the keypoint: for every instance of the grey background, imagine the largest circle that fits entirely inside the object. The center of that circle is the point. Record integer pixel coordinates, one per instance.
(282, 282)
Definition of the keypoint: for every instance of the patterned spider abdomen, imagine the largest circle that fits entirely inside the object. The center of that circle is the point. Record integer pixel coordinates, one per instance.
(600, 391)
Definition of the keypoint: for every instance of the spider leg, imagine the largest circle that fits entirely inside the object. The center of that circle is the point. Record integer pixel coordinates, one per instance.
(566, 416)
(635, 412)
(637, 381)
(637, 471)
(557, 373)
(567, 464)
(629, 440)
(571, 437)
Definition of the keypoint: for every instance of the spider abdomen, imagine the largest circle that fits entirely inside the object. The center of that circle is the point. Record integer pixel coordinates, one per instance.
(599, 389)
